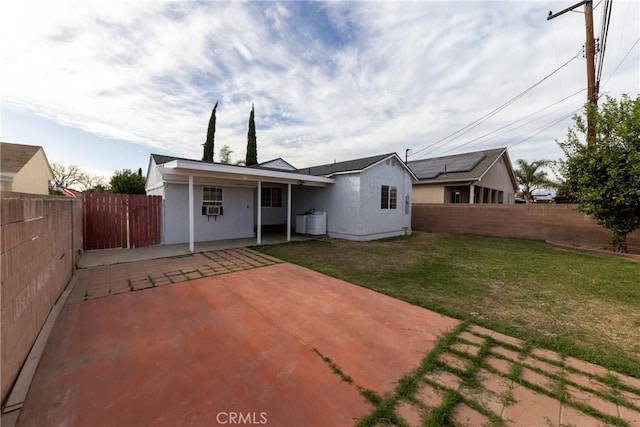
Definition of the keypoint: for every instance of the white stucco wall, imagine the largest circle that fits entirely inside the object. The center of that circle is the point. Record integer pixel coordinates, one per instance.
(376, 222)
(154, 177)
(353, 203)
(340, 201)
(235, 223)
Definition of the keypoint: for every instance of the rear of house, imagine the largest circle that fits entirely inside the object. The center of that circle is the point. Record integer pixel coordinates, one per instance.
(370, 199)
(363, 199)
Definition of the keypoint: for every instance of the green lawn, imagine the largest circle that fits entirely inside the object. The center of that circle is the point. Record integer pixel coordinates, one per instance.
(579, 304)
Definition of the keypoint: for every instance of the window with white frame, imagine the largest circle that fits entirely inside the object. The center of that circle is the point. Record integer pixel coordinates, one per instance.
(271, 197)
(388, 197)
(212, 196)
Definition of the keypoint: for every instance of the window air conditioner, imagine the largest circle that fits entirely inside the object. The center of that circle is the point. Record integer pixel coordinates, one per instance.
(213, 210)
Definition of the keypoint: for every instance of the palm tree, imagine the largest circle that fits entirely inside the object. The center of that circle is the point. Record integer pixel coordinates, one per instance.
(530, 177)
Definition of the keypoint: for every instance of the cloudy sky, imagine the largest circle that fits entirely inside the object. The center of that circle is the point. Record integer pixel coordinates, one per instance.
(102, 84)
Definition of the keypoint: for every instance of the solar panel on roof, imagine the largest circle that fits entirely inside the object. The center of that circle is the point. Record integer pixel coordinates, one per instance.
(432, 168)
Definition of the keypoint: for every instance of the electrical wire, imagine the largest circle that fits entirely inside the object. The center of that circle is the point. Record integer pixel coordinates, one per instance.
(542, 129)
(477, 141)
(606, 19)
(457, 134)
(622, 60)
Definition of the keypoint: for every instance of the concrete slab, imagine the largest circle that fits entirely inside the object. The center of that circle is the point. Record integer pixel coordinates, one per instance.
(98, 257)
(234, 346)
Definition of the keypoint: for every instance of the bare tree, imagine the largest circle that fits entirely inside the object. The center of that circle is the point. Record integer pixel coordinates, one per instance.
(74, 177)
(67, 176)
(92, 182)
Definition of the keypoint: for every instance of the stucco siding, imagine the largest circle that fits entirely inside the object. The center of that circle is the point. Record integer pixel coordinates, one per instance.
(154, 177)
(426, 193)
(497, 178)
(34, 177)
(339, 200)
(353, 203)
(376, 222)
(235, 223)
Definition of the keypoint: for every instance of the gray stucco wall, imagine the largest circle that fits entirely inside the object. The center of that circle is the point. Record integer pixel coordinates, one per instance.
(235, 223)
(353, 203)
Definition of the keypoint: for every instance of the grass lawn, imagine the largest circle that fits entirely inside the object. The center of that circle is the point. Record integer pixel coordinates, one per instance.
(582, 305)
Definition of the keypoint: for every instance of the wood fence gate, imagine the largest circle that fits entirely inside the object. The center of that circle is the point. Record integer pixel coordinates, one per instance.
(121, 220)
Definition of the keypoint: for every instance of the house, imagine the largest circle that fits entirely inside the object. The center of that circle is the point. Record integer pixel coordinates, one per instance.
(369, 199)
(24, 169)
(202, 201)
(479, 177)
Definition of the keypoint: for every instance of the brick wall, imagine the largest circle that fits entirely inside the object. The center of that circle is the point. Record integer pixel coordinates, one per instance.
(40, 241)
(555, 223)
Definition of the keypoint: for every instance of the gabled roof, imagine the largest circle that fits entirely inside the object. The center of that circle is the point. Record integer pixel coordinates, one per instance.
(13, 157)
(459, 167)
(274, 164)
(161, 159)
(350, 166)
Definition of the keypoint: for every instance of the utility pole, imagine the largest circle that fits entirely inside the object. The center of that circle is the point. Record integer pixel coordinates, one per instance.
(590, 56)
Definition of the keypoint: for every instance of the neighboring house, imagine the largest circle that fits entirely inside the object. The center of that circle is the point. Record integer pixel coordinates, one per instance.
(479, 177)
(24, 169)
(204, 201)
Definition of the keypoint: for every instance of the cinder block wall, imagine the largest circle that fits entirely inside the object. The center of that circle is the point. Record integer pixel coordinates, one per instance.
(41, 237)
(556, 223)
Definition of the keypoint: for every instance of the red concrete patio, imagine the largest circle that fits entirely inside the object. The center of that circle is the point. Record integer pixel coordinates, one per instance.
(242, 343)
(239, 338)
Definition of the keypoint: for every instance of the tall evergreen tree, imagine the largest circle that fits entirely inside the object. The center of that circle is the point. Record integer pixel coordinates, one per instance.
(252, 147)
(211, 131)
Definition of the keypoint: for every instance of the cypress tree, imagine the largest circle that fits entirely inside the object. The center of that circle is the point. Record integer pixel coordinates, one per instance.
(211, 131)
(252, 147)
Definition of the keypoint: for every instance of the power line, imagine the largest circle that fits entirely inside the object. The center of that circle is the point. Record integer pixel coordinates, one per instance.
(469, 143)
(542, 129)
(623, 59)
(606, 19)
(474, 124)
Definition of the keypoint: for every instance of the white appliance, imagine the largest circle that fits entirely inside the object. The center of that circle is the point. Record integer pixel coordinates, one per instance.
(301, 224)
(317, 223)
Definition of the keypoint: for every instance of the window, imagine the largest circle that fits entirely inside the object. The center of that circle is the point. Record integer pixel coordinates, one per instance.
(271, 197)
(456, 196)
(211, 196)
(388, 197)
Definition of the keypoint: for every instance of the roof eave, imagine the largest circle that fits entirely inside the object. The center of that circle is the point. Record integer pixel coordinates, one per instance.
(244, 172)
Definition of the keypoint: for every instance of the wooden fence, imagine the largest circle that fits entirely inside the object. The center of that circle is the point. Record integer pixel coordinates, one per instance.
(121, 220)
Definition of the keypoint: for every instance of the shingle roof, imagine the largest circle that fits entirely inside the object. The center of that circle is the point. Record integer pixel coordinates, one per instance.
(13, 157)
(346, 166)
(161, 159)
(457, 167)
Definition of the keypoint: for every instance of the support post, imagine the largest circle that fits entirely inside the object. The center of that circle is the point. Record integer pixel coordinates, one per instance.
(259, 214)
(288, 212)
(191, 218)
(589, 54)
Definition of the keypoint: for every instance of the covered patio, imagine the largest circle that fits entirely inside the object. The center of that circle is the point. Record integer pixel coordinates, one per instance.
(235, 189)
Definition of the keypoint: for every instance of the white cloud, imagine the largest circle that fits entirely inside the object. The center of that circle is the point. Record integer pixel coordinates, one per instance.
(329, 80)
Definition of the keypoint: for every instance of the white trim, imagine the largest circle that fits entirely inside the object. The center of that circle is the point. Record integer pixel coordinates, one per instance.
(242, 173)
(288, 212)
(259, 214)
(191, 218)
